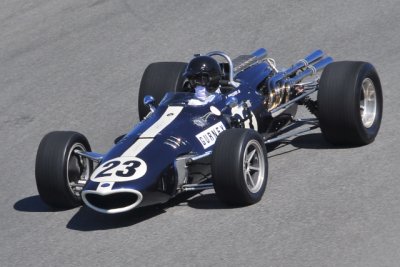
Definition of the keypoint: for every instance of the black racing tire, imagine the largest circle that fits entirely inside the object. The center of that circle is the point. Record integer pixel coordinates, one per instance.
(158, 79)
(229, 167)
(345, 118)
(58, 169)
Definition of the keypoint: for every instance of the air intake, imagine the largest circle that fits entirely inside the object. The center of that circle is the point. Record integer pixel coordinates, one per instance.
(115, 201)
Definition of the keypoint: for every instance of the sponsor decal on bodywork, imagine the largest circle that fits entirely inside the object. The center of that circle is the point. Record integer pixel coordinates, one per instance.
(208, 137)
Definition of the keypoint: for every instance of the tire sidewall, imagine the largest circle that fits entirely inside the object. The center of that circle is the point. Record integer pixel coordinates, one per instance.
(77, 200)
(368, 134)
(252, 135)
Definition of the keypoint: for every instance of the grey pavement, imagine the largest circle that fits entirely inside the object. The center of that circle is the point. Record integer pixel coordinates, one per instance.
(77, 64)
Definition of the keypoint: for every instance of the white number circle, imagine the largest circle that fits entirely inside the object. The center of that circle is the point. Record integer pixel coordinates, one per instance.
(120, 169)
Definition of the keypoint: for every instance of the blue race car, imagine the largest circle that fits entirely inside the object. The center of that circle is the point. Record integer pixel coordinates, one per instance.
(205, 124)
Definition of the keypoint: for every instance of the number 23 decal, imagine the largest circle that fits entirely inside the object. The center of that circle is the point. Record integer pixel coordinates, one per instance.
(120, 170)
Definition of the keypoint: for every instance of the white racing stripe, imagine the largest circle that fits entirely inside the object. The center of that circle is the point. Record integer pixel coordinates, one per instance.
(169, 115)
(137, 147)
(147, 137)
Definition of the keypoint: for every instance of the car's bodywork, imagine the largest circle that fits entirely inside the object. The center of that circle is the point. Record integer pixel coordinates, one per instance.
(169, 151)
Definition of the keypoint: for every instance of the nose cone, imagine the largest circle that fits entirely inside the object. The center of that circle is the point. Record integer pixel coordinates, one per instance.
(112, 201)
(123, 183)
(112, 188)
(138, 171)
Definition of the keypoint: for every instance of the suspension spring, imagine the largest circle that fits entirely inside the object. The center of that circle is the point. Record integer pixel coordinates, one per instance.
(311, 105)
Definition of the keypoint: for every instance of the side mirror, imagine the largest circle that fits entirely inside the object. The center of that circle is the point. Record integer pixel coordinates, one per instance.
(149, 101)
(231, 102)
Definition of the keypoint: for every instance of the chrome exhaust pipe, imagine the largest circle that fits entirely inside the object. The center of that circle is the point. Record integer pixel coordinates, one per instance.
(311, 69)
(260, 53)
(311, 58)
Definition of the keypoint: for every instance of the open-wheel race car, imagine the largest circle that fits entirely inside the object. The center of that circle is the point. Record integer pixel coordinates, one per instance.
(205, 124)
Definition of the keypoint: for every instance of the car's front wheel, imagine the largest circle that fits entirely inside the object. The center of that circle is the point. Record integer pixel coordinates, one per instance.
(239, 167)
(60, 172)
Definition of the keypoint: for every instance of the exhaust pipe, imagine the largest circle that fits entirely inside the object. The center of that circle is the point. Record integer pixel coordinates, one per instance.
(311, 58)
(311, 69)
(260, 53)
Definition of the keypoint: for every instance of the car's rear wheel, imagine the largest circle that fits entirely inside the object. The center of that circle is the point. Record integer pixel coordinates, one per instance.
(239, 167)
(350, 103)
(158, 79)
(60, 172)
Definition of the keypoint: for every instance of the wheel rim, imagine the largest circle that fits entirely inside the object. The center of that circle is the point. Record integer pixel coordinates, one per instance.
(78, 170)
(253, 166)
(368, 102)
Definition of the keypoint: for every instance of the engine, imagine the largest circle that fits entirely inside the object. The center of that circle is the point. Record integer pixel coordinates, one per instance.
(277, 96)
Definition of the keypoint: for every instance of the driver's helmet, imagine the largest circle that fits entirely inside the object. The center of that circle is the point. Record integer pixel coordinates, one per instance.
(203, 71)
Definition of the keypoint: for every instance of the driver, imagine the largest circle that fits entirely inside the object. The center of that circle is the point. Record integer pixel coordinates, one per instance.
(204, 75)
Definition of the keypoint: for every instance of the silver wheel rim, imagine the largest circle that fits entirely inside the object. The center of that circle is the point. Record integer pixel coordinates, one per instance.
(76, 184)
(253, 166)
(368, 102)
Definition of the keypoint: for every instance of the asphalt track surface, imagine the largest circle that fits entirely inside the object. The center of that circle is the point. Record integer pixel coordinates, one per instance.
(77, 64)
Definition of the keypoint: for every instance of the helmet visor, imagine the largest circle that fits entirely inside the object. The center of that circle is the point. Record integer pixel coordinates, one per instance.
(201, 78)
